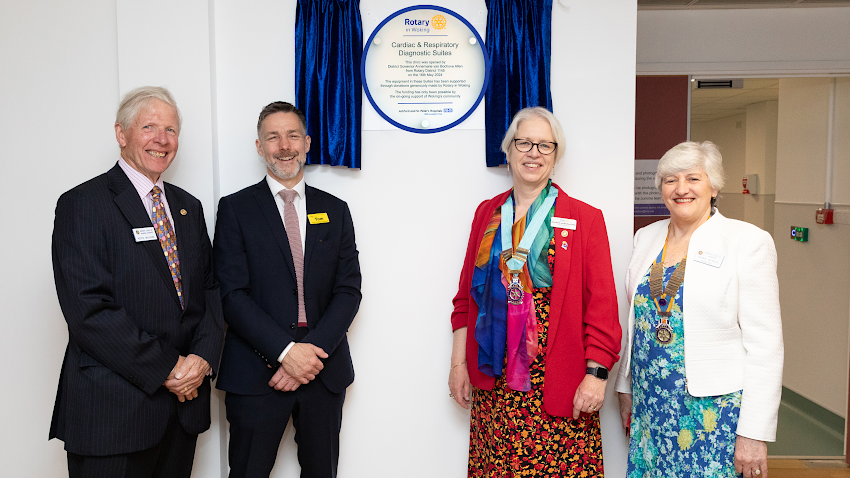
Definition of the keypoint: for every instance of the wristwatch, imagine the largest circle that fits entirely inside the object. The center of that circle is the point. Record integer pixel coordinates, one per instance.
(598, 372)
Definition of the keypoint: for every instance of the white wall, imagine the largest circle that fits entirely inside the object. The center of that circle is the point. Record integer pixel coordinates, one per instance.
(762, 124)
(58, 101)
(814, 277)
(65, 66)
(736, 42)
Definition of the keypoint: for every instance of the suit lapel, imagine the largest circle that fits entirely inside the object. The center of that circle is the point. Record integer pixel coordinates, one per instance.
(562, 264)
(313, 206)
(183, 231)
(268, 207)
(131, 206)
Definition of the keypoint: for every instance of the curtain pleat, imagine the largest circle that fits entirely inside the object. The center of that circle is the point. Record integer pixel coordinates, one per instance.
(519, 40)
(328, 47)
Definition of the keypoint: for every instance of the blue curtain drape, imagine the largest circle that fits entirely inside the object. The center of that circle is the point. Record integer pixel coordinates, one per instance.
(328, 47)
(519, 40)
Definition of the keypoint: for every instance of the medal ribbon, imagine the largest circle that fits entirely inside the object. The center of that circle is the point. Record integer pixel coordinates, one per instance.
(663, 331)
(656, 278)
(515, 260)
(521, 318)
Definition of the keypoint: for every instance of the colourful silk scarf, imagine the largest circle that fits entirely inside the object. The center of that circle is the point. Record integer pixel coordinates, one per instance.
(502, 328)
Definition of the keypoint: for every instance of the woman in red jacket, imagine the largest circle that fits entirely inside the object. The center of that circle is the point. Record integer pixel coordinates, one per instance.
(535, 319)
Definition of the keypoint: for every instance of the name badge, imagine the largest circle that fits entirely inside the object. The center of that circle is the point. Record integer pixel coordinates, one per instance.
(709, 258)
(564, 223)
(318, 218)
(143, 234)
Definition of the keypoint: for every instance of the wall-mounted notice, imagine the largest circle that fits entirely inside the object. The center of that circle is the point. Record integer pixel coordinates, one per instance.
(648, 200)
(425, 69)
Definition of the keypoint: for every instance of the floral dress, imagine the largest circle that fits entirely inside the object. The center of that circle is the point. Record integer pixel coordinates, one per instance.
(674, 434)
(511, 435)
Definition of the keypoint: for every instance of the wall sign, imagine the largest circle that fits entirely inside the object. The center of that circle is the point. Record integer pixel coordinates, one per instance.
(648, 200)
(425, 69)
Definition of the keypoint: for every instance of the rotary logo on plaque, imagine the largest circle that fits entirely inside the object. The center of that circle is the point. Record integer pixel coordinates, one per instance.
(438, 22)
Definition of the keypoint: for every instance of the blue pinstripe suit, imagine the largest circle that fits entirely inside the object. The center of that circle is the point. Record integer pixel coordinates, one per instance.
(126, 327)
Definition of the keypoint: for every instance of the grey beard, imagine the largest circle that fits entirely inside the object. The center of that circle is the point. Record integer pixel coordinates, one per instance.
(281, 175)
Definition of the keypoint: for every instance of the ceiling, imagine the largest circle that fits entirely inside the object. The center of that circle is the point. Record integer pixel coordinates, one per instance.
(711, 104)
(715, 103)
(697, 4)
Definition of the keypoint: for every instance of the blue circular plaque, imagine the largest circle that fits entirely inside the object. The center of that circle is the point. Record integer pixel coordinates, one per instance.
(425, 69)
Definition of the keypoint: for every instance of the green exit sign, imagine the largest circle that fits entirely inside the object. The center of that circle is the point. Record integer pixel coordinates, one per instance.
(800, 234)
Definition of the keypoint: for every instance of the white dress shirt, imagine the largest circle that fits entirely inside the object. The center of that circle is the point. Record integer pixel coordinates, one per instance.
(300, 204)
(143, 186)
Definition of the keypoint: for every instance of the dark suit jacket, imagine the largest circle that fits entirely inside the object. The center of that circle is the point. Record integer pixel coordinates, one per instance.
(254, 266)
(126, 328)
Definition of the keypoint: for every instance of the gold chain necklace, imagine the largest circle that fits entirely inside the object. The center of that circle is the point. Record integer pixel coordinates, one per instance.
(663, 331)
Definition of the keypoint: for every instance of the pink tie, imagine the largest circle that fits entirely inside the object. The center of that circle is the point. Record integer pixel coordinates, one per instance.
(293, 233)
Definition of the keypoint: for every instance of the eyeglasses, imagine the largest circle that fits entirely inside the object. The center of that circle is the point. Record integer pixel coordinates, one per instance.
(544, 147)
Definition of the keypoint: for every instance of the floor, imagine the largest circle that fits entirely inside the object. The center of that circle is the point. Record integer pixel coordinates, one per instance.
(805, 431)
(781, 468)
(801, 434)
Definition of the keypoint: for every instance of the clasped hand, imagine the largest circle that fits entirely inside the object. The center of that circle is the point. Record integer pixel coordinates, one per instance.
(302, 363)
(187, 376)
(283, 381)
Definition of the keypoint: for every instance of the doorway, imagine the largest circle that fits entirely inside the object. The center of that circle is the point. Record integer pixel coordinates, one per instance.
(787, 136)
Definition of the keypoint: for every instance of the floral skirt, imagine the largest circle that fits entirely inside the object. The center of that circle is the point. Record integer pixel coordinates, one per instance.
(511, 435)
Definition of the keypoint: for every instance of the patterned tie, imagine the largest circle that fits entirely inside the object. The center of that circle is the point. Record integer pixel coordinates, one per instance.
(293, 233)
(167, 239)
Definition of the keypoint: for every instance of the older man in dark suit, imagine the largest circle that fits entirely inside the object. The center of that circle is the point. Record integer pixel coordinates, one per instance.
(131, 261)
(290, 281)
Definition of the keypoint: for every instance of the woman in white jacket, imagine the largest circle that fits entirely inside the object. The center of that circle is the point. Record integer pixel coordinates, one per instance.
(701, 375)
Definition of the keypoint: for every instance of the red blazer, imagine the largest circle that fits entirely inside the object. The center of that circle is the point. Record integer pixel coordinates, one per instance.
(583, 318)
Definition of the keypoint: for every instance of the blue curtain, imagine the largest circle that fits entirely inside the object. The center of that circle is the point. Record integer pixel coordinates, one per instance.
(328, 46)
(519, 40)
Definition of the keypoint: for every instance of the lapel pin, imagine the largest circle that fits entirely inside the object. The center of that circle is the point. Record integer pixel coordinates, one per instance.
(183, 212)
(564, 245)
(565, 233)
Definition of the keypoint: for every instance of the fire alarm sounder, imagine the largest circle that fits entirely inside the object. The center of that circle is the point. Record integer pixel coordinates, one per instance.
(824, 216)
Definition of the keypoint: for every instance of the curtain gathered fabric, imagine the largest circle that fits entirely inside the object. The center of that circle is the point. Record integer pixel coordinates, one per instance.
(328, 47)
(519, 40)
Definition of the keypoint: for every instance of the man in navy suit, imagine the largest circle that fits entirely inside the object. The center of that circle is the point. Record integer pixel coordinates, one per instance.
(133, 272)
(286, 259)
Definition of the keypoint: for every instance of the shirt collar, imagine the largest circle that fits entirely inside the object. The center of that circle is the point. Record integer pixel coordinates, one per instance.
(142, 183)
(276, 187)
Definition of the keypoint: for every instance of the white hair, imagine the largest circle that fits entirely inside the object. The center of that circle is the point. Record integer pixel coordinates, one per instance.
(137, 99)
(691, 155)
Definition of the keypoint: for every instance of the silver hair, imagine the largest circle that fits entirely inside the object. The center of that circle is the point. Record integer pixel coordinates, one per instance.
(536, 112)
(137, 99)
(692, 155)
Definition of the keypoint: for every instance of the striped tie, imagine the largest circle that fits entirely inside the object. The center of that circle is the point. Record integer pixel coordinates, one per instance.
(293, 233)
(167, 239)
